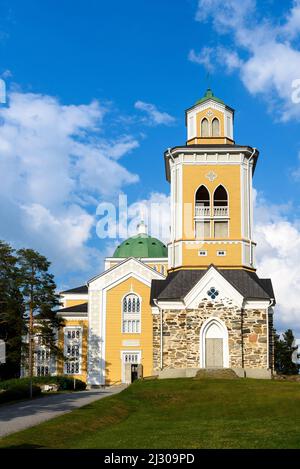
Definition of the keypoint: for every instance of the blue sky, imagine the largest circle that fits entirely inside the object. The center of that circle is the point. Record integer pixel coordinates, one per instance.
(113, 79)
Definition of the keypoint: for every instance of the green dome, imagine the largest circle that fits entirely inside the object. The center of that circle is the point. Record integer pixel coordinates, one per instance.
(141, 245)
(209, 95)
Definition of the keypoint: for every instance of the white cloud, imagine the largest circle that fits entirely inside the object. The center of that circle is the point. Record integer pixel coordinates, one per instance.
(154, 116)
(265, 55)
(209, 57)
(278, 257)
(55, 162)
(292, 26)
(225, 15)
(156, 212)
(204, 57)
(295, 172)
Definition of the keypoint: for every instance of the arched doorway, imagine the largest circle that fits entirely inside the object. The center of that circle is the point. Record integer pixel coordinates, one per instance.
(214, 344)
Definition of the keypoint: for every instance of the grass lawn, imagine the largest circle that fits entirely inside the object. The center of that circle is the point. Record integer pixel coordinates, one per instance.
(178, 413)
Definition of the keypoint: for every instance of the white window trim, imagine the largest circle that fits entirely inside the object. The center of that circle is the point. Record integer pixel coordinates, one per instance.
(221, 221)
(131, 352)
(219, 128)
(45, 363)
(140, 316)
(202, 220)
(66, 328)
(205, 326)
(222, 251)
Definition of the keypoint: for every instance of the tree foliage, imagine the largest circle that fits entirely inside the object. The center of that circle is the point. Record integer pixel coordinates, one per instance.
(27, 291)
(12, 318)
(39, 294)
(285, 349)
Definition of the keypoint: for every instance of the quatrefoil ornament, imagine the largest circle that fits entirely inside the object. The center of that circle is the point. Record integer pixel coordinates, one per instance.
(211, 176)
(213, 293)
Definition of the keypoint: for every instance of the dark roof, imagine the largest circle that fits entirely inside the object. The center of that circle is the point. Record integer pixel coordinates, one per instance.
(178, 284)
(82, 308)
(83, 289)
(247, 283)
(267, 286)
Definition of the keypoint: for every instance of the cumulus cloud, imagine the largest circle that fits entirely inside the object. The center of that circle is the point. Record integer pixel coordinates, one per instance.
(154, 116)
(265, 53)
(205, 57)
(278, 257)
(55, 163)
(156, 213)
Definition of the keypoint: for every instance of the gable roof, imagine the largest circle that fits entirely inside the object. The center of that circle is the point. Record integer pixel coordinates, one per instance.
(125, 261)
(81, 308)
(82, 290)
(178, 284)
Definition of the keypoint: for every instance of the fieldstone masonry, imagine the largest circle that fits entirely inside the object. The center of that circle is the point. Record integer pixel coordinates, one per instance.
(247, 335)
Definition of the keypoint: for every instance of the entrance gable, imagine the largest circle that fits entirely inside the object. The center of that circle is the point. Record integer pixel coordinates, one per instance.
(212, 286)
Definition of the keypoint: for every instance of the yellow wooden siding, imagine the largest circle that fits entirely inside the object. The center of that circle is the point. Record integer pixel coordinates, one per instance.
(229, 177)
(75, 302)
(233, 256)
(114, 335)
(210, 141)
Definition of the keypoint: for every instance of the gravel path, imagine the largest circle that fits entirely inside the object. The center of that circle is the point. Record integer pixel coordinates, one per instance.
(21, 415)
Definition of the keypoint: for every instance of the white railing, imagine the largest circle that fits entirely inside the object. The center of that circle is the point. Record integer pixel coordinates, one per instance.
(201, 211)
(220, 211)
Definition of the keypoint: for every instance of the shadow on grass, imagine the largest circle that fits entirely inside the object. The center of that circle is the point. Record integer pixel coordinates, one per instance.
(23, 446)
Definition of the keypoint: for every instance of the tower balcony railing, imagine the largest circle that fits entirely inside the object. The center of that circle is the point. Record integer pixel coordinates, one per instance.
(201, 210)
(221, 211)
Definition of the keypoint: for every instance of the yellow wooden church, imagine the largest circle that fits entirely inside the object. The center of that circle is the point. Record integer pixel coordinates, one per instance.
(195, 303)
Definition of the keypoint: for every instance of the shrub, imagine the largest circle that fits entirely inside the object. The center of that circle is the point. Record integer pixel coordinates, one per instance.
(65, 383)
(18, 391)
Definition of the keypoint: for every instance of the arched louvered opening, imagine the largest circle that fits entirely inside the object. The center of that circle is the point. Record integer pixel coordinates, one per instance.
(204, 128)
(131, 314)
(220, 201)
(202, 202)
(215, 127)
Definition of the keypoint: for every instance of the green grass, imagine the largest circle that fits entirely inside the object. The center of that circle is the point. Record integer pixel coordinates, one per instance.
(178, 413)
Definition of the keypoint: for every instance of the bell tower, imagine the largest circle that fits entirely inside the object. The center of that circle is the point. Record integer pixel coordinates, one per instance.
(209, 121)
(211, 192)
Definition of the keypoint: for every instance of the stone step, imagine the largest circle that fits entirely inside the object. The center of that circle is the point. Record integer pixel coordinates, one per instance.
(216, 373)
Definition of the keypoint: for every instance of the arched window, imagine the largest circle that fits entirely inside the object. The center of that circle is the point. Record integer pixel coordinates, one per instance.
(202, 202)
(204, 128)
(215, 127)
(220, 200)
(131, 314)
(220, 210)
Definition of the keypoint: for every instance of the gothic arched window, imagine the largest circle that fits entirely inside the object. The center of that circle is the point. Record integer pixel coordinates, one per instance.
(216, 127)
(131, 314)
(220, 212)
(204, 128)
(220, 197)
(202, 201)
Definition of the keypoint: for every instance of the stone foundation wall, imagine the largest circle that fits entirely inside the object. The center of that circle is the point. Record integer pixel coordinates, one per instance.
(181, 335)
(255, 335)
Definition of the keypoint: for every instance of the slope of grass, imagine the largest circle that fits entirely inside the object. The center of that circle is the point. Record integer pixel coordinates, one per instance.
(178, 413)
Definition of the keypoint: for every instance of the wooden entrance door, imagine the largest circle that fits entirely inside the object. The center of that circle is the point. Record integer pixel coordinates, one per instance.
(214, 353)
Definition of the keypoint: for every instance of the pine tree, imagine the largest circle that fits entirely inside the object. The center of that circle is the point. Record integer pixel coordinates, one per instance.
(40, 300)
(11, 312)
(284, 351)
